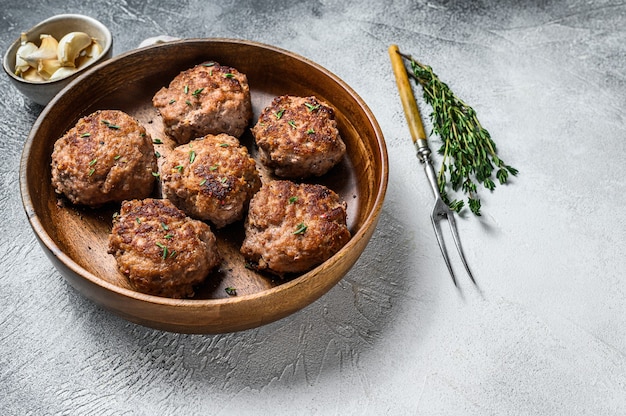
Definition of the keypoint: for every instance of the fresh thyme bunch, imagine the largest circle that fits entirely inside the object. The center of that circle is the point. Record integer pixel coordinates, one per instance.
(469, 153)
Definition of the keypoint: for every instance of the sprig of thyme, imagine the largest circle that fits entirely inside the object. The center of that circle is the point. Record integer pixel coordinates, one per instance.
(469, 154)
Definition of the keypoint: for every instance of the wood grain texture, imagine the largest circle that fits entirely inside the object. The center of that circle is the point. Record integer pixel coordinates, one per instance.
(75, 238)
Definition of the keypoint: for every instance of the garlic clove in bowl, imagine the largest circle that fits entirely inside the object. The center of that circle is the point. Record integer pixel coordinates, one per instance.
(71, 46)
(46, 51)
(62, 72)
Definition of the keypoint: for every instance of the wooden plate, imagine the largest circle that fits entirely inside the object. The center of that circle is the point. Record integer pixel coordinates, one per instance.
(75, 238)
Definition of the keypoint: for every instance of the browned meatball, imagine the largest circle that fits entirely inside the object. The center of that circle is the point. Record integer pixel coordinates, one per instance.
(298, 137)
(206, 99)
(106, 157)
(212, 178)
(291, 228)
(161, 250)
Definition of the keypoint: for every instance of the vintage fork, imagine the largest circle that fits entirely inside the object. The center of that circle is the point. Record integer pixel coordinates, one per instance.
(440, 209)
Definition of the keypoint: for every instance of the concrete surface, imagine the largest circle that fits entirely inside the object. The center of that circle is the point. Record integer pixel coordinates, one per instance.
(544, 335)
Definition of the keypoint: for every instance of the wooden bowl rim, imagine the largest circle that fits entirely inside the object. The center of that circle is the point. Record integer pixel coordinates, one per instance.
(54, 249)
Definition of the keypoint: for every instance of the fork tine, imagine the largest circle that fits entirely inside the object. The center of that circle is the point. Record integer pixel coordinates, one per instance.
(457, 242)
(418, 134)
(434, 217)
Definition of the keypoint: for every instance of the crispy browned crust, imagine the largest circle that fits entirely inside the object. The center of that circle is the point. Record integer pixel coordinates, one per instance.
(298, 137)
(161, 250)
(106, 157)
(212, 178)
(206, 99)
(292, 227)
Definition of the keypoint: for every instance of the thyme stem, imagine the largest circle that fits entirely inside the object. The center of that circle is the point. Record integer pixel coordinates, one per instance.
(469, 154)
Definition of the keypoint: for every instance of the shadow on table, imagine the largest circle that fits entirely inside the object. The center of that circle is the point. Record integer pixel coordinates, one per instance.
(327, 337)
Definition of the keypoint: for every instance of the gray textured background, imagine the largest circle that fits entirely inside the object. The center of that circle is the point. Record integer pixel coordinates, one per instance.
(547, 332)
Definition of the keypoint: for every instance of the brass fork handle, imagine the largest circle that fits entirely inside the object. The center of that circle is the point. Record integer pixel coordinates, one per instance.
(411, 112)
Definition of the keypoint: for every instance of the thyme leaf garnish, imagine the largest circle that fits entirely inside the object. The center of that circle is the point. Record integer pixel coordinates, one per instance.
(469, 153)
(310, 107)
(163, 247)
(109, 125)
(300, 229)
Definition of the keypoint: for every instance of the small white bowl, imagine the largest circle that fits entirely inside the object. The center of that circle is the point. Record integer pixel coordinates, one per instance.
(56, 26)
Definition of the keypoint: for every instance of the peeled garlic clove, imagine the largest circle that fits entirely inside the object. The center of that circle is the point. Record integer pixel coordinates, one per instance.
(32, 75)
(25, 49)
(47, 67)
(62, 72)
(70, 46)
(47, 50)
(89, 55)
(94, 50)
